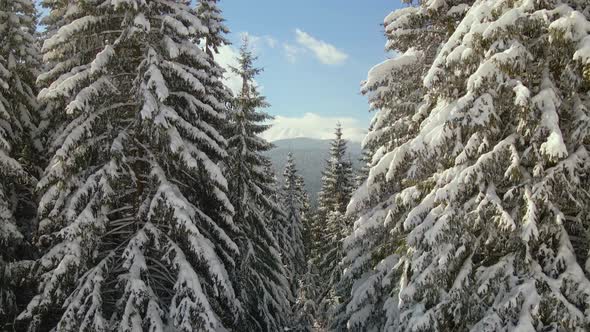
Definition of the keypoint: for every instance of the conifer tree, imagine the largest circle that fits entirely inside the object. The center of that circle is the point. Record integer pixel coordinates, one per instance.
(264, 289)
(306, 309)
(292, 231)
(308, 284)
(331, 225)
(482, 200)
(52, 121)
(307, 217)
(19, 62)
(135, 223)
(210, 16)
(395, 91)
(365, 161)
(337, 179)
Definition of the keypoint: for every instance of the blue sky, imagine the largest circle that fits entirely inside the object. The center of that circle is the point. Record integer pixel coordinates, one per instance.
(296, 80)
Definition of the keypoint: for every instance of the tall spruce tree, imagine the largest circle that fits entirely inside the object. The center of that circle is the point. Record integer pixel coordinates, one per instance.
(210, 16)
(337, 178)
(264, 288)
(362, 173)
(307, 216)
(331, 225)
(292, 242)
(19, 62)
(52, 119)
(395, 91)
(487, 196)
(135, 222)
(306, 308)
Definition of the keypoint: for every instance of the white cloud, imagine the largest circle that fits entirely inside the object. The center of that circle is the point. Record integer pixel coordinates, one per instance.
(259, 42)
(326, 53)
(313, 125)
(227, 57)
(292, 52)
(271, 42)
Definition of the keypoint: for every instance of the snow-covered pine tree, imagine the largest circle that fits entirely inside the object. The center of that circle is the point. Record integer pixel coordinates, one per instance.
(337, 178)
(307, 216)
(19, 62)
(135, 221)
(210, 16)
(52, 123)
(328, 256)
(395, 91)
(490, 191)
(363, 172)
(292, 244)
(305, 309)
(331, 225)
(264, 288)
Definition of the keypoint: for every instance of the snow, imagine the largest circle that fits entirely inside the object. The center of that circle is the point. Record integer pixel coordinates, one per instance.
(574, 26)
(176, 25)
(399, 13)
(530, 230)
(83, 100)
(141, 22)
(171, 46)
(522, 95)
(506, 21)
(382, 71)
(488, 72)
(458, 9)
(156, 81)
(583, 52)
(183, 72)
(9, 232)
(548, 102)
(65, 33)
(102, 59)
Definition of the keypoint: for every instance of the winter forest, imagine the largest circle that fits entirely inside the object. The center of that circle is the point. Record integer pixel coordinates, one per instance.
(136, 193)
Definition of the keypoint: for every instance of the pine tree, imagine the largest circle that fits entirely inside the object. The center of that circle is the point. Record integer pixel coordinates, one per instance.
(292, 231)
(307, 217)
(306, 309)
(211, 18)
(482, 201)
(308, 283)
(337, 181)
(53, 122)
(264, 288)
(366, 162)
(135, 223)
(395, 91)
(331, 225)
(19, 62)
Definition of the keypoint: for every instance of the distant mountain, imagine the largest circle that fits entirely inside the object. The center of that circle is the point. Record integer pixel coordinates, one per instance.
(310, 155)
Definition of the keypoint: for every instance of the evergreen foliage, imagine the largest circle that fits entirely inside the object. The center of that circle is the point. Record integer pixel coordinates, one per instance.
(210, 16)
(135, 224)
(19, 62)
(469, 215)
(294, 201)
(135, 194)
(395, 91)
(306, 308)
(337, 179)
(331, 226)
(264, 287)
